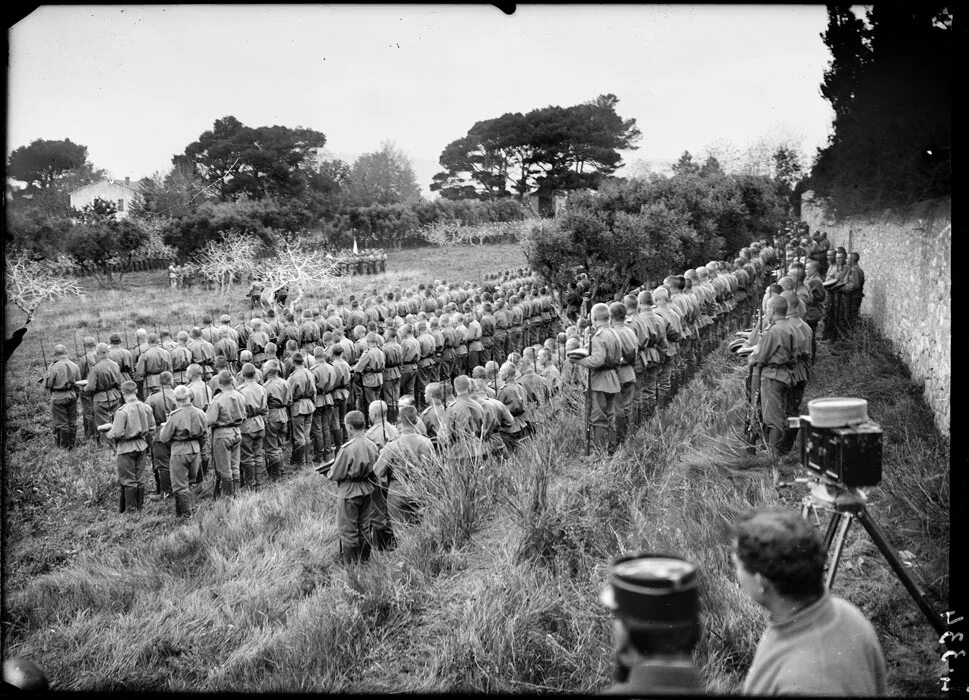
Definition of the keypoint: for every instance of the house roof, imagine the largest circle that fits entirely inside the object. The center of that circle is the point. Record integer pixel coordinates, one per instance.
(133, 186)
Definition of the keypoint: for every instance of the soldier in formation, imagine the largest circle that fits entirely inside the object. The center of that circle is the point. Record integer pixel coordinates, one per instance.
(470, 370)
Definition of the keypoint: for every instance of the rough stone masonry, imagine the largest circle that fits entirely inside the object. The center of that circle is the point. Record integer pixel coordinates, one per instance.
(907, 256)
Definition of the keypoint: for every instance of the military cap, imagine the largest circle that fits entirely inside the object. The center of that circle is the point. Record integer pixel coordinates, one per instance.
(653, 591)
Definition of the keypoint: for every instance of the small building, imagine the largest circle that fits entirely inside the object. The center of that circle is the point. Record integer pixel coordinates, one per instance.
(121, 192)
(546, 203)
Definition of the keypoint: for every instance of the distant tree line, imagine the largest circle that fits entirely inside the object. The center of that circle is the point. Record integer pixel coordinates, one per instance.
(276, 184)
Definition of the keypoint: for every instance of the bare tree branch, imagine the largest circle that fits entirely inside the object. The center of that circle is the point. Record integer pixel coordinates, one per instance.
(31, 283)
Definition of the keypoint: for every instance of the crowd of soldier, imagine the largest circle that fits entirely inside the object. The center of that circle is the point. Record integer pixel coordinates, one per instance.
(365, 262)
(275, 384)
(815, 286)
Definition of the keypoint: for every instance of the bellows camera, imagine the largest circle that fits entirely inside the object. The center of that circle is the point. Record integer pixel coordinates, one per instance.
(840, 442)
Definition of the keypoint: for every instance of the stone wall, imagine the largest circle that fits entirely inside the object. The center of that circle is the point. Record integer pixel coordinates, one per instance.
(906, 256)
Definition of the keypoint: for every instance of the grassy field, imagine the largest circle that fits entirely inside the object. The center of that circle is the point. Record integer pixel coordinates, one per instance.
(497, 588)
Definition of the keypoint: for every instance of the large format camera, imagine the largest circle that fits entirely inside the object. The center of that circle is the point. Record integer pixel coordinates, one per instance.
(840, 442)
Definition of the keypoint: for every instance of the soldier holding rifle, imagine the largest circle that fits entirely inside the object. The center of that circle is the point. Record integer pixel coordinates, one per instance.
(131, 431)
(162, 403)
(61, 381)
(355, 482)
(184, 432)
(601, 360)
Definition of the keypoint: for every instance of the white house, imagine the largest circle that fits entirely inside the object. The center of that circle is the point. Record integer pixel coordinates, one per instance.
(122, 193)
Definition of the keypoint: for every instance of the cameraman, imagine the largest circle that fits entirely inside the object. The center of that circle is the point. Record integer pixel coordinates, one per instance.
(655, 604)
(815, 643)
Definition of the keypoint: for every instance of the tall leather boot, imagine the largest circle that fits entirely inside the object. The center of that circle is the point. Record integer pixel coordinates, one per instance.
(182, 509)
(131, 499)
(140, 491)
(248, 474)
(121, 500)
(600, 439)
(164, 484)
(217, 487)
(787, 442)
(348, 554)
(775, 437)
(236, 487)
(620, 428)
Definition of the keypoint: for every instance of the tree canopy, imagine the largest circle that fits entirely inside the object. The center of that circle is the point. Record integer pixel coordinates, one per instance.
(638, 231)
(890, 85)
(100, 239)
(383, 177)
(547, 149)
(43, 162)
(254, 163)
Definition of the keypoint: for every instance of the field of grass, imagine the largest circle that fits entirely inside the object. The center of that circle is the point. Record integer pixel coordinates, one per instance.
(496, 590)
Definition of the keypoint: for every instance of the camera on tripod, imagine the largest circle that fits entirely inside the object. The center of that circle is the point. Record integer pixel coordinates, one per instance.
(838, 441)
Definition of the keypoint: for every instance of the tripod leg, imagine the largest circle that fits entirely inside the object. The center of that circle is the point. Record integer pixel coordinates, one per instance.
(841, 522)
(832, 528)
(878, 537)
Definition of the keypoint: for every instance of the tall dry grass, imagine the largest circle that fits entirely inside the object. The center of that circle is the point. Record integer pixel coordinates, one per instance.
(495, 589)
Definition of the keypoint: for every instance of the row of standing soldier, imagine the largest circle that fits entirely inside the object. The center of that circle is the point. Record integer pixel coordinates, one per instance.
(499, 321)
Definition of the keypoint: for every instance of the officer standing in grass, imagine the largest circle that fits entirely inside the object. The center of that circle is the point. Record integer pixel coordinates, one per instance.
(103, 385)
(303, 388)
(87, 361)
(776, 354)
(278, 399)
(664, 386)
(181, 357)
(203, 353)
(225, 416)
(626, 370)
(131, 431)
(353, 474)
(162, 403)
(853, 291)
(370, 367)
(122, 356)
(151, 363)
(252, 459)
(602, 361)
(61, 381)
(408, 449)
(393, 356)
(184, 432)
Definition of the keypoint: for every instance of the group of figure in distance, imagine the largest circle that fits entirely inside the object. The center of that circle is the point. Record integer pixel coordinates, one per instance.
(363, 262)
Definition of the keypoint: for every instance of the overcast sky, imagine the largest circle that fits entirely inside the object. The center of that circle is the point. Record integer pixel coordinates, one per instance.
(137, 84)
